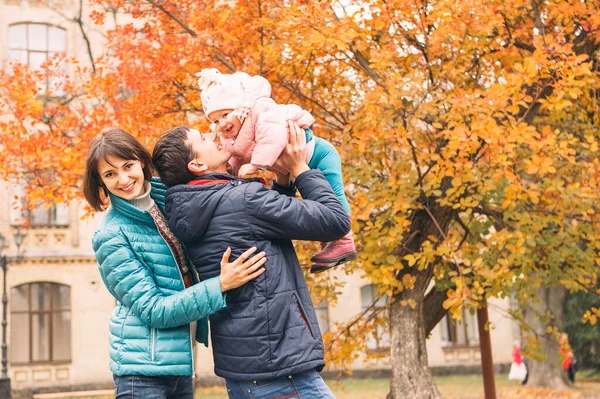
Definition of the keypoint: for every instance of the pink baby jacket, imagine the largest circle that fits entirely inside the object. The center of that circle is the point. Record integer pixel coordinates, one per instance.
(264, 133)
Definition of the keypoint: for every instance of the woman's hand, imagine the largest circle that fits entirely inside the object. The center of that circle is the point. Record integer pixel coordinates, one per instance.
(293, 156)
(239, 272)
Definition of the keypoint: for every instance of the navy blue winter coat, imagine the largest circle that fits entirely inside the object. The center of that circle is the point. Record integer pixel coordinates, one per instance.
(269, 328)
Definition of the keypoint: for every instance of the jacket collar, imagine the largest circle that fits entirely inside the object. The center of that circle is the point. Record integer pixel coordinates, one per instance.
(223, 178)
(213, 176)
(127, 209)
(158, 192)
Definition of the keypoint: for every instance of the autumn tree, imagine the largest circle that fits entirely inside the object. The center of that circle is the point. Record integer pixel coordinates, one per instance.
(468, 129)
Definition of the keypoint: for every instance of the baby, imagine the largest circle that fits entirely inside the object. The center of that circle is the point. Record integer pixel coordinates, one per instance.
(253, 127)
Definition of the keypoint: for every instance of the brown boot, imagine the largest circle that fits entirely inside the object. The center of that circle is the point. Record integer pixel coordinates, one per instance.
(335, 253)
(321, 267)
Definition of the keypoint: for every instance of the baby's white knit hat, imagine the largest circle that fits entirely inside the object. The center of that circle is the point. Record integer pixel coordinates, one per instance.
(222, 91)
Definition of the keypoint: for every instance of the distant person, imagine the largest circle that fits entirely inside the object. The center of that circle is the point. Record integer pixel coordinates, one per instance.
(161, 307)
(518, 370)
(253, 128)
(569, 363)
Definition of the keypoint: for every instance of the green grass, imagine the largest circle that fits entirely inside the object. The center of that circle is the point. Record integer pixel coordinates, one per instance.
(471, 386)
(451, 387)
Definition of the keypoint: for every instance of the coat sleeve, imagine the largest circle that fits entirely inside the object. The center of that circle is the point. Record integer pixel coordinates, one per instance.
(133, 284)
(289, 190)
(271, 138)
(303, 118)
(319, 216)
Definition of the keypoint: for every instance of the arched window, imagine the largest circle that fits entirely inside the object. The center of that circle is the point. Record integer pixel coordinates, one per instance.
(33, 43)
(40, 323)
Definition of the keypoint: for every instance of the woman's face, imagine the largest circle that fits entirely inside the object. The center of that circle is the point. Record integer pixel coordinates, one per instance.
(122, 177)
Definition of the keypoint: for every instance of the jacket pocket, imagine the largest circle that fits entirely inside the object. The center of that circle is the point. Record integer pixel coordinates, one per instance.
(303, 313)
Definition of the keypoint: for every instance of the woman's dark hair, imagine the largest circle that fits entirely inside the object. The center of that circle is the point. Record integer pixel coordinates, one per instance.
(111, 143)
(171, 155)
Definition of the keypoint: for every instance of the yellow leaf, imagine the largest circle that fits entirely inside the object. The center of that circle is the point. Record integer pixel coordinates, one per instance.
(410, 259)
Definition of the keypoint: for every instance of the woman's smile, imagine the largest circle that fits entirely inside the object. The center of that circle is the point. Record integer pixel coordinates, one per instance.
(129, 188)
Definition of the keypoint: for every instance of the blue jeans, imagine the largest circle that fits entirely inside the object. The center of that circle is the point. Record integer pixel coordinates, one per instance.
(143, 387)
(305, 385)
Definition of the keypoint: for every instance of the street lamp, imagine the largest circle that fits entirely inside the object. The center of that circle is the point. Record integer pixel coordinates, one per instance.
(4, 379)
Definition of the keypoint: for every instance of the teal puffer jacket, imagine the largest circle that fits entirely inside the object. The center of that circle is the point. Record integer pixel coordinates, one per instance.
(150, 330)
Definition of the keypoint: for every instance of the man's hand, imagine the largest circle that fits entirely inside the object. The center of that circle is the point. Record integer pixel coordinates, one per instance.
(282, 179)
(293, 156)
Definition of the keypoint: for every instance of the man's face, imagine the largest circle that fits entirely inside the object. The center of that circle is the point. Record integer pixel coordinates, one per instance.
(226, 123)
(208, 154)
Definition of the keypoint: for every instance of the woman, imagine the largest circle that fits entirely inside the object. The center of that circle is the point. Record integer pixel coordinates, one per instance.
(161, 305)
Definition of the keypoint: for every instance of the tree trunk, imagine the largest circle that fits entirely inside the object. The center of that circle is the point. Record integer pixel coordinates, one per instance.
(411, 377)
(548, 372)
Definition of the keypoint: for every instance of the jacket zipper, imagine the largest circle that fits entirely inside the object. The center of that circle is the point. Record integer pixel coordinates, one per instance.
(303, 314)
(183, 284)
(153, 341)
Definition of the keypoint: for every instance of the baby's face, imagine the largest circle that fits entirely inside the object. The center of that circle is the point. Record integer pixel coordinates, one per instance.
(227, 125)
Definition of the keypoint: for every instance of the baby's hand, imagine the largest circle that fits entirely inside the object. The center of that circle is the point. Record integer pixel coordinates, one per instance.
(247, 169)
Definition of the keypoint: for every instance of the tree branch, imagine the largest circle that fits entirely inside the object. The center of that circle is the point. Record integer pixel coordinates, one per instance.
(371, 310)
(173, 17)
(79, 21)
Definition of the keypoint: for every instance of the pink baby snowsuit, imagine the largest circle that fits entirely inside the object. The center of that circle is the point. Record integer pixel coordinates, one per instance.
(264, 133)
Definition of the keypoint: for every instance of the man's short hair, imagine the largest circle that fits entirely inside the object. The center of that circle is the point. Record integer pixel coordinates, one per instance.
(171, 156)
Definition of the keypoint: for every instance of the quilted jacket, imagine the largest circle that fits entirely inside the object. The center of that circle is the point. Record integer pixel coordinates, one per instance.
(264, 133)
(269, 328)
(149, 330)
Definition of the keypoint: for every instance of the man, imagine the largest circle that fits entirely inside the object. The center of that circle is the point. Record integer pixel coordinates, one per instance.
(266, 342)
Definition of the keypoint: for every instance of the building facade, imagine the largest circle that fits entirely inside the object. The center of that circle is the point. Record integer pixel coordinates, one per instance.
(58, 306)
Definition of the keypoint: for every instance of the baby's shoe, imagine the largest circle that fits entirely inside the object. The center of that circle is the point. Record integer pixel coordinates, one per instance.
(335, 253)
(321, 267)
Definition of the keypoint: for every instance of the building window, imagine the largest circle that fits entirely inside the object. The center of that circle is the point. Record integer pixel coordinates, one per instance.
(40, 323)
(380, 339)
(32, 44)
(462, 332)
(53, 215)
(322, 312)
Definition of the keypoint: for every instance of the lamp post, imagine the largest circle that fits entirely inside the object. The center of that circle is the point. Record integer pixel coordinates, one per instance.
(4, 379)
